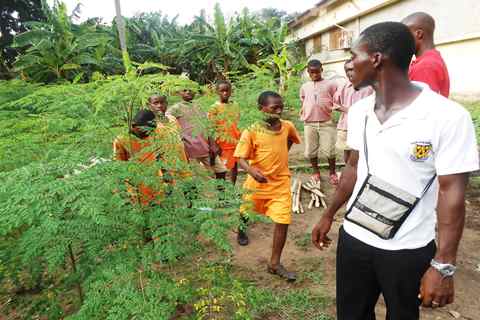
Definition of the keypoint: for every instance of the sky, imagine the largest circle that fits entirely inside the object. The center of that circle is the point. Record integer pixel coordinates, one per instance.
(186, 9)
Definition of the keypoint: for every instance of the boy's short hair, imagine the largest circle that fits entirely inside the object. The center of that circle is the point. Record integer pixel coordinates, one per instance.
(393, 39)
(144, 118)
(220, 82)
(160, 96)
(314, 63)
(262, 98)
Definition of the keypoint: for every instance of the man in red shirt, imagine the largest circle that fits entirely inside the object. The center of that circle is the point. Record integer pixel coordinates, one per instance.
(428, 67)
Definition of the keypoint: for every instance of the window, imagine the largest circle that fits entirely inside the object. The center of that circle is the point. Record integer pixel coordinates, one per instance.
(340, 39)
(335, 36)
(317, 44)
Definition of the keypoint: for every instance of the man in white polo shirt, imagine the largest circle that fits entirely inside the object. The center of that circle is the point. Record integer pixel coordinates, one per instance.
(408, 139)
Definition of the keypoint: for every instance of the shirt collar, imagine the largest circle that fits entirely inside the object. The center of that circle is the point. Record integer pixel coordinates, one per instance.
(416, 110)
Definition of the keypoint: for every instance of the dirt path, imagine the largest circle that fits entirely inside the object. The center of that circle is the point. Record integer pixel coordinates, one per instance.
(317, 269)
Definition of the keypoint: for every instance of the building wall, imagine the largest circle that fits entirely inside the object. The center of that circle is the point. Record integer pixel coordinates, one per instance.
(457, 35)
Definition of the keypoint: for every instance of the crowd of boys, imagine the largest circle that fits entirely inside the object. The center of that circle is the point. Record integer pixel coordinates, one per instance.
(375, 73)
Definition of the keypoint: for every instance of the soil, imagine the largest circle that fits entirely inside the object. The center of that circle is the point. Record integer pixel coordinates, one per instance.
(316, 269)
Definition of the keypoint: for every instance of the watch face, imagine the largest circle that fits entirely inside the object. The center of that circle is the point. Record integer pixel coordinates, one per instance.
(449, 270)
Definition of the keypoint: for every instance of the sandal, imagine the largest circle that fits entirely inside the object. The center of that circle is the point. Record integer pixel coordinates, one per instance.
(282, 273)
(333, 179)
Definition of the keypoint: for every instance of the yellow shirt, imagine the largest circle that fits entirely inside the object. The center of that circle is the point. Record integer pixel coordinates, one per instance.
(267, 151)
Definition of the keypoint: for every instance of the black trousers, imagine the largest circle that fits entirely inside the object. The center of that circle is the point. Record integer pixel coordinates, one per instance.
(363, 272)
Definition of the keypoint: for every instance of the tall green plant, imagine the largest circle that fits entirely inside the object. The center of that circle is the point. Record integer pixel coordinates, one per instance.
(57, 49)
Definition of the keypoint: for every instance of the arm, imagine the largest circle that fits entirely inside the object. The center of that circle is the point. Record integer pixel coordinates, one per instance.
(289, 143)
(343, 193)
(302, 98)
(254, 172)
(451, 218)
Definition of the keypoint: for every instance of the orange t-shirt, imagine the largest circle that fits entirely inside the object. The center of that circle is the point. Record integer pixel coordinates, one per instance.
(164, 144)
(225, 118)
(267, 151)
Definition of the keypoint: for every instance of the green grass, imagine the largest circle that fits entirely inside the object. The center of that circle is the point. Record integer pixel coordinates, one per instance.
(474, 108)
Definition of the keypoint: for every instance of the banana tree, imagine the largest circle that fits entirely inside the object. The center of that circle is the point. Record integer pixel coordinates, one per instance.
(58, 49)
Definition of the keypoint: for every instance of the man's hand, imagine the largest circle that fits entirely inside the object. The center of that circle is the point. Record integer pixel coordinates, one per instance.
(319, 232)
(435, 290)
(257, 175)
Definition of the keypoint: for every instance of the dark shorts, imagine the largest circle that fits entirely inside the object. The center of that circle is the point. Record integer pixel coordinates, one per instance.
(363, 272)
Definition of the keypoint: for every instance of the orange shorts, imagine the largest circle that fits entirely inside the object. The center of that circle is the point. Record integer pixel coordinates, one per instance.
(228, 159)
(278, 209)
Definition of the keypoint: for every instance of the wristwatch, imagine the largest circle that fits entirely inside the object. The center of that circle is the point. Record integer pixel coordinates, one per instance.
(445, 269)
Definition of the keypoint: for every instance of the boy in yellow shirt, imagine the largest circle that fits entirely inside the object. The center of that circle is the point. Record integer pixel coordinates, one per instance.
(263, 153)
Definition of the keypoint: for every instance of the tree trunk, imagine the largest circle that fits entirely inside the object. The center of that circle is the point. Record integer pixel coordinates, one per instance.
(122, 35)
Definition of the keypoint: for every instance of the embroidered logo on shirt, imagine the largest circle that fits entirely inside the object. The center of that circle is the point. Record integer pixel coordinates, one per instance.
(421, 151)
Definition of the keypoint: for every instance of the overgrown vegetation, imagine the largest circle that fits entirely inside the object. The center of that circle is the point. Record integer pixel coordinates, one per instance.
(72, 241)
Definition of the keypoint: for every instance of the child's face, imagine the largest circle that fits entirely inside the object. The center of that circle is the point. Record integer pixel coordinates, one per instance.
(273, 108)
(315, 73)
(187, 95)
(224, 91)
(349, 70)
(157, 104)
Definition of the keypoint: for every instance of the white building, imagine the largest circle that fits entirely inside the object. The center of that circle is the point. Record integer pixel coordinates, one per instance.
(327, 31)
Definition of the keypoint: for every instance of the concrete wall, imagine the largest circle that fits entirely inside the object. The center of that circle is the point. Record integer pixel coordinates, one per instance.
(457, 34)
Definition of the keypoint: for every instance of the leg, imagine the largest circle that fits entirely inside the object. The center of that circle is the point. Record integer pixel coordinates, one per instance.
(280, 211)
(219, 168)
(234, 173)
(315, 169)
(242, 237)
(328, 135)
(399, 274)
(220, 175)
(249, 204)
(311, 147)
(357, 287)
(332, 166)
(279, 238)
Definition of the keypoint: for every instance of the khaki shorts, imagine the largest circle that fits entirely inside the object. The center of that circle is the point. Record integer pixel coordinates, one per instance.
(218, 167)
(320, 139)
(342, 140)
(278, 209)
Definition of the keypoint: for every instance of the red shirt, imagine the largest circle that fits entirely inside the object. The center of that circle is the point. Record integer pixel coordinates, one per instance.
(431, 69)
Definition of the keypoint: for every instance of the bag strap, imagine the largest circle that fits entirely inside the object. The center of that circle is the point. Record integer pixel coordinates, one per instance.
(365, 149)
(429, 184)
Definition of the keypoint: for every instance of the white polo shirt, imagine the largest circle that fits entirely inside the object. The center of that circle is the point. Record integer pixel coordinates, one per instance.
(431, 135)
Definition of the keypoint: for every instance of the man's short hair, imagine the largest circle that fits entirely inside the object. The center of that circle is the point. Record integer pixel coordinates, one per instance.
(220, 82)
(314, 63)
(393, 39)
(262, 98)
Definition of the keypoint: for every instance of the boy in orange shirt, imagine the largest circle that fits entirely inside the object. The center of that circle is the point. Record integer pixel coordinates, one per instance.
(263, 153)
(144, 147)
(225, 116)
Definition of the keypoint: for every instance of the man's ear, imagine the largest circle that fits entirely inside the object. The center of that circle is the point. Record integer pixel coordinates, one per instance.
(419, 34)
(376, 59)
